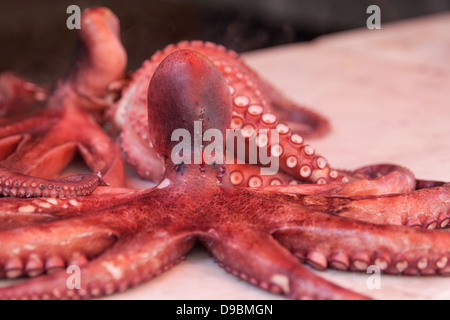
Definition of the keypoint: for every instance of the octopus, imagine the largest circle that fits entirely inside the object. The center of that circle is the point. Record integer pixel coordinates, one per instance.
(262, 228)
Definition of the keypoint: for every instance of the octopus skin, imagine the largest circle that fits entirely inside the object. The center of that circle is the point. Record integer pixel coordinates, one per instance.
(42, 129)
(121, 237)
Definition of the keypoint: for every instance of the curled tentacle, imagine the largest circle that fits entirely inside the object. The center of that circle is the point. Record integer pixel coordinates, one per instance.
(99, 63)
(423, 184)
(36, 163)
(391, 197)
(300, 119)
(247, 175)
(19, 185)
(19, 96)
(204, 99)
(20, 211)
(367, 181)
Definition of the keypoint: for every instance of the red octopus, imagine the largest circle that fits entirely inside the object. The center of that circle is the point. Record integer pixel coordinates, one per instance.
(259, 228)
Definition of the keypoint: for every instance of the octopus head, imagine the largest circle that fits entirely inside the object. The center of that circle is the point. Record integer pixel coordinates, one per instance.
(187, 92)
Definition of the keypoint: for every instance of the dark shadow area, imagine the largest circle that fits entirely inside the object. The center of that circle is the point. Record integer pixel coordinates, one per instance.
(35, 41)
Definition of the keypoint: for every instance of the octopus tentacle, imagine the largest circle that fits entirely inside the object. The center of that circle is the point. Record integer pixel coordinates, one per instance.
(139, 151)
(34, 249)
(19, 185)
(428, 208)
(373, 180)
(38, 122)
(380, 179)
(18, 95)
(237, 248)
(34, 150)
(46, 158)
(134, 260)
(21, 211)
(100, 61)
(423, 184)
(416, 251)
(425, 207)
(300, 119)
(248, 175)
(272, 267)
(251, 112)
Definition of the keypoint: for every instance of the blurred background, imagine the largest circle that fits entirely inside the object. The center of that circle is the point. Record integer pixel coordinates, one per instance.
(35, 42)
